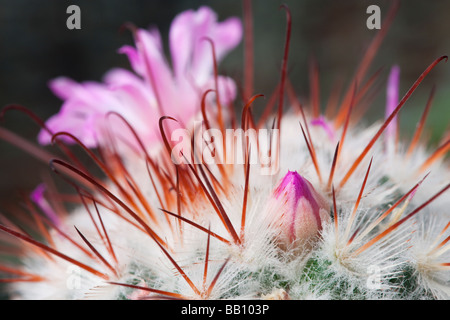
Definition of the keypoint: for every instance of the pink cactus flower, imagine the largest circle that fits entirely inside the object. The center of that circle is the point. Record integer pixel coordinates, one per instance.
(153, 89)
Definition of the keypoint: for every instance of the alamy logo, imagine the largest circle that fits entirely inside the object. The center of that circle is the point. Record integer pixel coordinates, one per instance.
(73, 281)
(374, 20)
(374, 277)
(234, 146)
(74, 20)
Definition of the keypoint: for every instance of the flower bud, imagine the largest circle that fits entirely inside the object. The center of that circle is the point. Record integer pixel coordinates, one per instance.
(298, 210)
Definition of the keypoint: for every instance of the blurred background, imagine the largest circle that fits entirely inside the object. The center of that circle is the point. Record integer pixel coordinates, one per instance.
(36, 46)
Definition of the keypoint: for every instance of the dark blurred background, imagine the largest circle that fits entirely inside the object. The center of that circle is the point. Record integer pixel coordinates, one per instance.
(36, 46)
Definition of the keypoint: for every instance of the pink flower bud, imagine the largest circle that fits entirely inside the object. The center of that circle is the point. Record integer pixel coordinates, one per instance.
(298, 210)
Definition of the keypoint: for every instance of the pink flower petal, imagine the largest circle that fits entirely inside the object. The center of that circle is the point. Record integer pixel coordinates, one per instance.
(135, 59)
(392, 102)
(322, 122)
(37, 196)
(189, 48)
